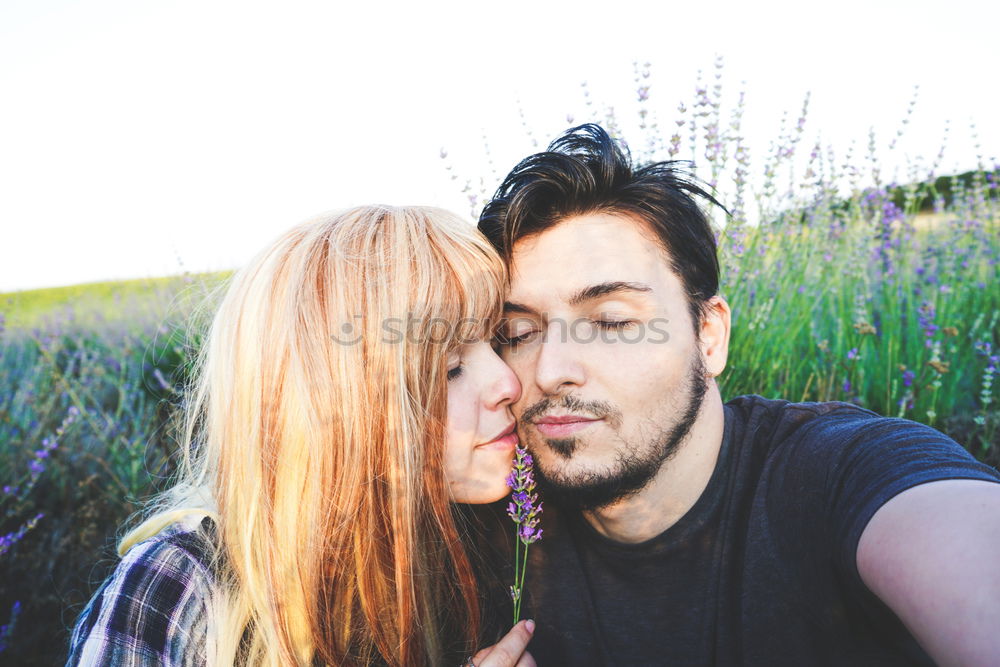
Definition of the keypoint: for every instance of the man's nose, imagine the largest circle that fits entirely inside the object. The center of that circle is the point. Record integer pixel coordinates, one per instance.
(559, 360)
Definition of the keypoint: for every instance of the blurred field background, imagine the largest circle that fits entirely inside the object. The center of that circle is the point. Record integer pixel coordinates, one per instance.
(844, 286)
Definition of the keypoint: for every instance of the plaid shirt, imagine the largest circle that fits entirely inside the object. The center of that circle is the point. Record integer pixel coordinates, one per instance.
(151, 610)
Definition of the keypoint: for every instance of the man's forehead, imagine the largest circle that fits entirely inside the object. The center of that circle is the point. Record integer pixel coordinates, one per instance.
(583, 252)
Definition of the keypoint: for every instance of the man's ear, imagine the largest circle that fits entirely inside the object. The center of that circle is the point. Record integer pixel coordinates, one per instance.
(714, 334)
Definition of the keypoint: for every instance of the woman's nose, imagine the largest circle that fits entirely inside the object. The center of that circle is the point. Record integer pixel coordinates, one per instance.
(506, 388)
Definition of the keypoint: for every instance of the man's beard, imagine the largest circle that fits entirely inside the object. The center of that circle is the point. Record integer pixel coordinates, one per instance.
(635, 467)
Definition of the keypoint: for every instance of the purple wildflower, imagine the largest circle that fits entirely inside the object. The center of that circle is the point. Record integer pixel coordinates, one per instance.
(852, 354)
(926, 318)
(908, 377)
(7, 630)
(36, 466)
(10, 539)
(523, 509)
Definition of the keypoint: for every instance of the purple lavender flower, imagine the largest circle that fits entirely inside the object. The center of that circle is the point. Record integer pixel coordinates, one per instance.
(926, 319)
(7, 630)
(523, 510)
(36, 466)
(908, 377)
(852, 354)
(10, 539)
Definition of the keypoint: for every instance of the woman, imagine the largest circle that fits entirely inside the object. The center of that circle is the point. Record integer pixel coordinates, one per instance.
(346, 396)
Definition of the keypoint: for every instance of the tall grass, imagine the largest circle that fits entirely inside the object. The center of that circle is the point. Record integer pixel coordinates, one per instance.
(88, 388)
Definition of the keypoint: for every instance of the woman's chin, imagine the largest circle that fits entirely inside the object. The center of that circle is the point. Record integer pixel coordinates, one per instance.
(486, 481)
(482, 493)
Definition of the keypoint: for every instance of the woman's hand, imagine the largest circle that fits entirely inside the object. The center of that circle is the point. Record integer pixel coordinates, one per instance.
(509, 651)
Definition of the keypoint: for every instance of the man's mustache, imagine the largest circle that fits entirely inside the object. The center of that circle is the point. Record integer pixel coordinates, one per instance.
(572, 404)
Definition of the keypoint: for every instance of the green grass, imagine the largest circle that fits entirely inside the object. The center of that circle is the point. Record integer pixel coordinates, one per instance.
(816, 318)
(94, 302)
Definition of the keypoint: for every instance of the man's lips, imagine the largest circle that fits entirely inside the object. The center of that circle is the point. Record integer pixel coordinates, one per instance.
(559, 427)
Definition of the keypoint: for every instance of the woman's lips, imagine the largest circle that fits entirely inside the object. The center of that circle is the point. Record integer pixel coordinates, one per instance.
(560, 427)
(506, 441)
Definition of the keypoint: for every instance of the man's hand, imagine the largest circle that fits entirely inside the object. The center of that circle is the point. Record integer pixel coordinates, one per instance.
(509, 651)
(930, 554)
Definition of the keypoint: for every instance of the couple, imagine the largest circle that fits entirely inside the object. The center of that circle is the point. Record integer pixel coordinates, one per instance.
(338, 439)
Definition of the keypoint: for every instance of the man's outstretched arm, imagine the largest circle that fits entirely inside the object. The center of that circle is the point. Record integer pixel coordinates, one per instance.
(931, 555)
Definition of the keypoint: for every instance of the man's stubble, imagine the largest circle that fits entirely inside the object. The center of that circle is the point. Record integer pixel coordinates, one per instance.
(637, 463)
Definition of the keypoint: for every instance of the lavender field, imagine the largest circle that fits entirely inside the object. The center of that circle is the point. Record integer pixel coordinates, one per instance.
(844, 285)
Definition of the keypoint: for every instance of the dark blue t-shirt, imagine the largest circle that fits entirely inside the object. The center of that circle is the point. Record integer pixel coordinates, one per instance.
(761, 570)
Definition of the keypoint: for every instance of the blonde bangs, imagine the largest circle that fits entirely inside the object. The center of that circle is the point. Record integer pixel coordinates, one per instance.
(454, 277)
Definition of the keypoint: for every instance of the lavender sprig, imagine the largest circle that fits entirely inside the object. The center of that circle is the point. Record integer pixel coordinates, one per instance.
(36, 466)
(523, 509)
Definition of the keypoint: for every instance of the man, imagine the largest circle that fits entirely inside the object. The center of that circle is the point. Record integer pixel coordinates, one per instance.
(680, 530)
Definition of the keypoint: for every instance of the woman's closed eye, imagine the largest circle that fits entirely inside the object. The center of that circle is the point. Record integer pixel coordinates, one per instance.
(509, 341)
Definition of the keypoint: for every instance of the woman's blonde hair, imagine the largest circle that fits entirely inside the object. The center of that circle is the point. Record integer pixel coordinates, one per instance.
(314, 436)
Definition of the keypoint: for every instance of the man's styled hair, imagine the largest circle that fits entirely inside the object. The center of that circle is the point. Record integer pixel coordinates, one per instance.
(586, 171)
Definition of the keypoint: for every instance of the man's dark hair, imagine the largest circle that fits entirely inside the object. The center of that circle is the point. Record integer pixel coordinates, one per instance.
(586, 171)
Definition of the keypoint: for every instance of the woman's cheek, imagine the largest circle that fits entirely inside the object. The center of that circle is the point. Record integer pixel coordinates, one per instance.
(462, 419)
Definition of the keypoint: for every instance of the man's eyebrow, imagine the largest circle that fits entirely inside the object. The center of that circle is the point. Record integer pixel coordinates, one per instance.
(586, 294)
(512, 307)
(603, 289)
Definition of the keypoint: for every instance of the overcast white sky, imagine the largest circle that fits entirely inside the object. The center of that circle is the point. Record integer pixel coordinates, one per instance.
(141, 138)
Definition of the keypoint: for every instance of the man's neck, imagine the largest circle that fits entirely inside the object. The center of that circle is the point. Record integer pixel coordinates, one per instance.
(675, 489)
